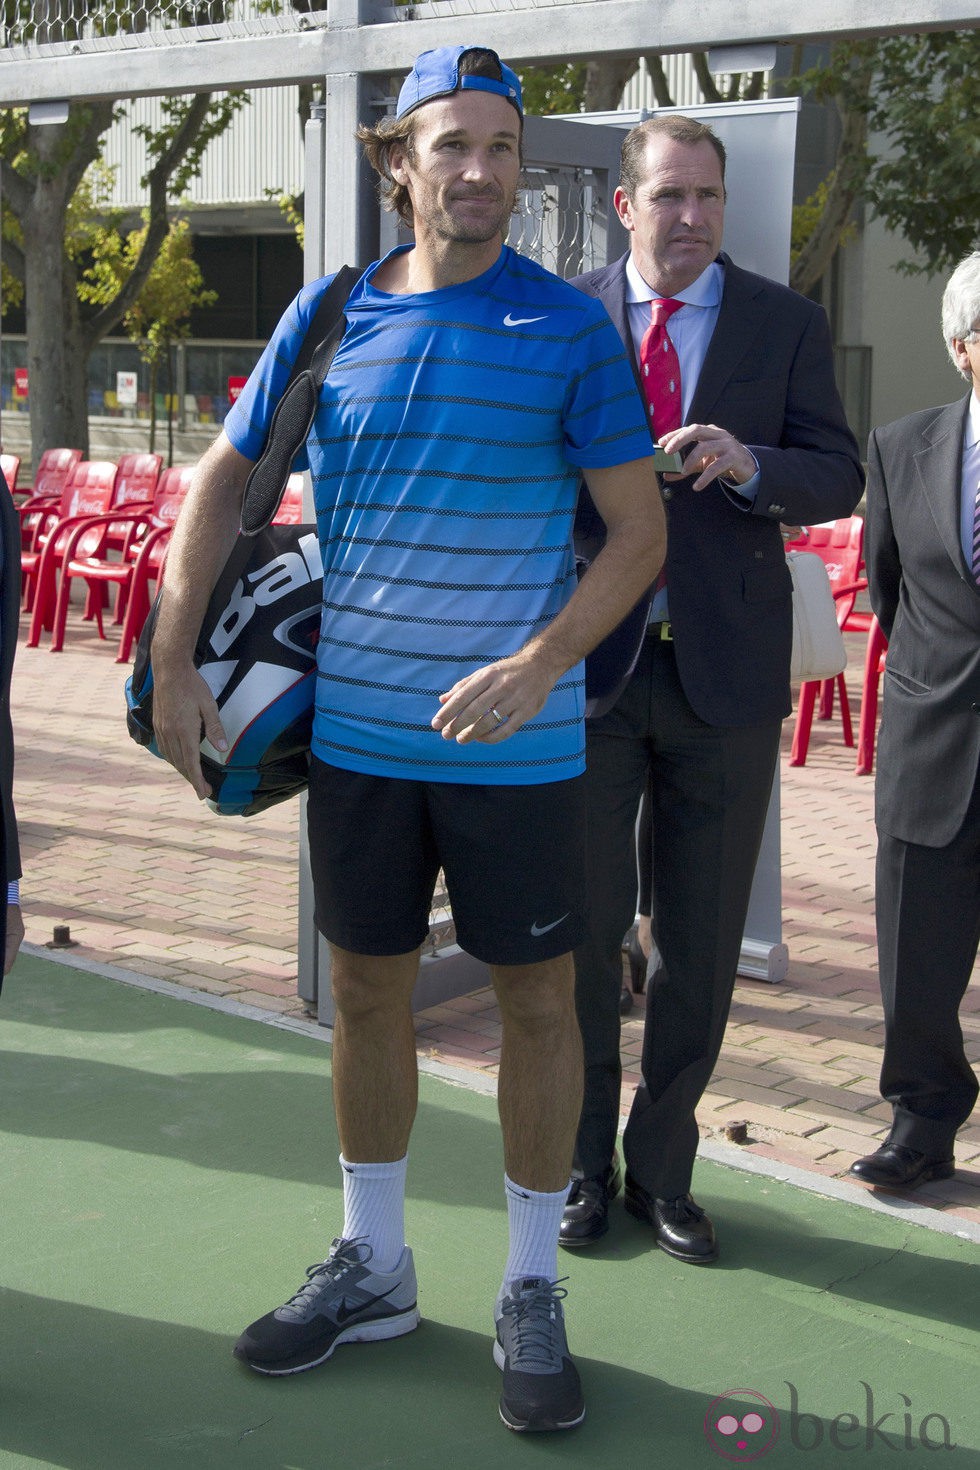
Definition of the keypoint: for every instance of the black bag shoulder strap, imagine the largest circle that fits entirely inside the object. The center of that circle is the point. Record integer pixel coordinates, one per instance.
(322, 324)
(296, 408)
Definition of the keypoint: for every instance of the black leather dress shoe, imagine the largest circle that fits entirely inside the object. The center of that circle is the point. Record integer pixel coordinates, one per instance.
(681, 1227)
(893, 1166)
(586, 1213)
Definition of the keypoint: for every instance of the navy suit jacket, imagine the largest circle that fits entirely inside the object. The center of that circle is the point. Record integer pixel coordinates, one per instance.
(928, 605)
(768, 379)
(9, 623)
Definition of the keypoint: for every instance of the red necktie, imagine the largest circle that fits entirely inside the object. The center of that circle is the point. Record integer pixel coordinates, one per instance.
(660, 369)
(661, 374)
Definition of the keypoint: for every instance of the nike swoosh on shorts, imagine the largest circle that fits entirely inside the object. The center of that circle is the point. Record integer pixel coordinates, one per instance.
(538, 929)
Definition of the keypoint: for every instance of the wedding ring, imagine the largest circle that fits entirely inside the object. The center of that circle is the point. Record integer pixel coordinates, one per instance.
(500, 719)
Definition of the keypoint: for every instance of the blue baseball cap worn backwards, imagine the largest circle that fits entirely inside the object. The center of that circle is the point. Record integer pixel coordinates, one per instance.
(436, 74)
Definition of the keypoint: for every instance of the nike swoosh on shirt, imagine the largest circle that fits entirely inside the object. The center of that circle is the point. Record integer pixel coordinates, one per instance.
(538, 929)
(521, 321)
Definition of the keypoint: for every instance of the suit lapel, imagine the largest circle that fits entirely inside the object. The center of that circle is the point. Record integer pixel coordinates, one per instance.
(612, 294)
(938, 466)
(742, 317)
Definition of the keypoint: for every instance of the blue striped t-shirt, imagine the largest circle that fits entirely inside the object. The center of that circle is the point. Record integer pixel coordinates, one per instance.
(445, 454)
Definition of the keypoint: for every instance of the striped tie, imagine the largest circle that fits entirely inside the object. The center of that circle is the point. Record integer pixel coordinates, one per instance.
(976, 538)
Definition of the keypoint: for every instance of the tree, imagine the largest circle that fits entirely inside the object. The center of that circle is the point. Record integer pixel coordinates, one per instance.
(916, 99)
(159, 316)
(909, 146)
(41, 168)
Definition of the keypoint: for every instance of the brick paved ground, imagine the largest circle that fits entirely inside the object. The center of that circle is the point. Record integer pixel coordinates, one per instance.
(117, 848)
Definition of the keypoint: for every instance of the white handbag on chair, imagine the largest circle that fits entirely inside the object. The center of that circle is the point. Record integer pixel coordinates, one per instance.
(818, 644)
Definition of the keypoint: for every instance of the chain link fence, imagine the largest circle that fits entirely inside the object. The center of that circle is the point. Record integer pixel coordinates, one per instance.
(52, 27)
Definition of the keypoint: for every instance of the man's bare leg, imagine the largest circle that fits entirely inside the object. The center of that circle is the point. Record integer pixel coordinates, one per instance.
(375, 1074)
(540, 1086)
(375, 1088)
(540, 1098)
(365, 1290)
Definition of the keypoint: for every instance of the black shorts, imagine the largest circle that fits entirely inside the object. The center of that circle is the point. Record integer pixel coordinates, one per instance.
(513, 859)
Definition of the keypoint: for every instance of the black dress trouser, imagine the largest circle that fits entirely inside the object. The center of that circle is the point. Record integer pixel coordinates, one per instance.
(709, 788)
(927, 902)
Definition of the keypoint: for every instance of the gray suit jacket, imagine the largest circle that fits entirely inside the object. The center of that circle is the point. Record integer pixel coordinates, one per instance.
(928, 605)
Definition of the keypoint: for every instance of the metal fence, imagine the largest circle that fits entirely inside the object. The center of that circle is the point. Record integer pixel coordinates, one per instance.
(50, 27)
(556, 223)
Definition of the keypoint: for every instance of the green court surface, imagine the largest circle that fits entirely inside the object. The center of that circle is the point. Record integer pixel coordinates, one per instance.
(170, 1170)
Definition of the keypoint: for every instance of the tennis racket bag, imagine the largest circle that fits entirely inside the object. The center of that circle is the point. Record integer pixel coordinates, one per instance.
(257, 652)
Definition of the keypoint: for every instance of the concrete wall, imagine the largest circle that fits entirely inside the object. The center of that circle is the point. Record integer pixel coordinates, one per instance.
(898, 316)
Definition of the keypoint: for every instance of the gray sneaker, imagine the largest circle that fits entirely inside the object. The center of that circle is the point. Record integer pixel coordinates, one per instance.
(342, 1301)
(541, 1387)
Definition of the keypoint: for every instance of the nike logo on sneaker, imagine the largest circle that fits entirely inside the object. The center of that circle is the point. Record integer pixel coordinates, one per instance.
(538, 929)
(346, 1308)
(521, 321)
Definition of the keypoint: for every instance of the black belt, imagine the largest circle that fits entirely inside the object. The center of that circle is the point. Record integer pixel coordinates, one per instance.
(660, 632)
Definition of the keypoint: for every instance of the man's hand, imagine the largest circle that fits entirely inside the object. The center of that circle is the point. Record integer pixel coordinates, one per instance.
(493, 702)
(711, 454)
(15, 935)
(184, 712)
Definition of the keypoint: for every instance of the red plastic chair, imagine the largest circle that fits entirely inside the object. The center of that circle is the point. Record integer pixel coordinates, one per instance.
(54, 470)
(840, 546)
(88, 493)
(290, 512)
(851, 619)
(10, 466)
(136, 479)
(141, 563)
(874, 667)
(136, 482)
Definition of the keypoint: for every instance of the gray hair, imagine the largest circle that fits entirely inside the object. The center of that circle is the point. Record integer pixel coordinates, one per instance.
(961, 305)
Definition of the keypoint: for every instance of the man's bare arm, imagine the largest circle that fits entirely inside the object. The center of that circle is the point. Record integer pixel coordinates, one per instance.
(626, 497)
(183, 705)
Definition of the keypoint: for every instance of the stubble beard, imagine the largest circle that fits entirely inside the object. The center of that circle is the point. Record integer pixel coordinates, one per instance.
(459, 231)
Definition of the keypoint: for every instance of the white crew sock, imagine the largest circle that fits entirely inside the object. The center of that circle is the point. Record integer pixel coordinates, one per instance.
(374, 1209)
(534, 1220)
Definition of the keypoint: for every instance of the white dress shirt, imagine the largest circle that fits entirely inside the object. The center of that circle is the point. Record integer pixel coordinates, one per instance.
(690, 330)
